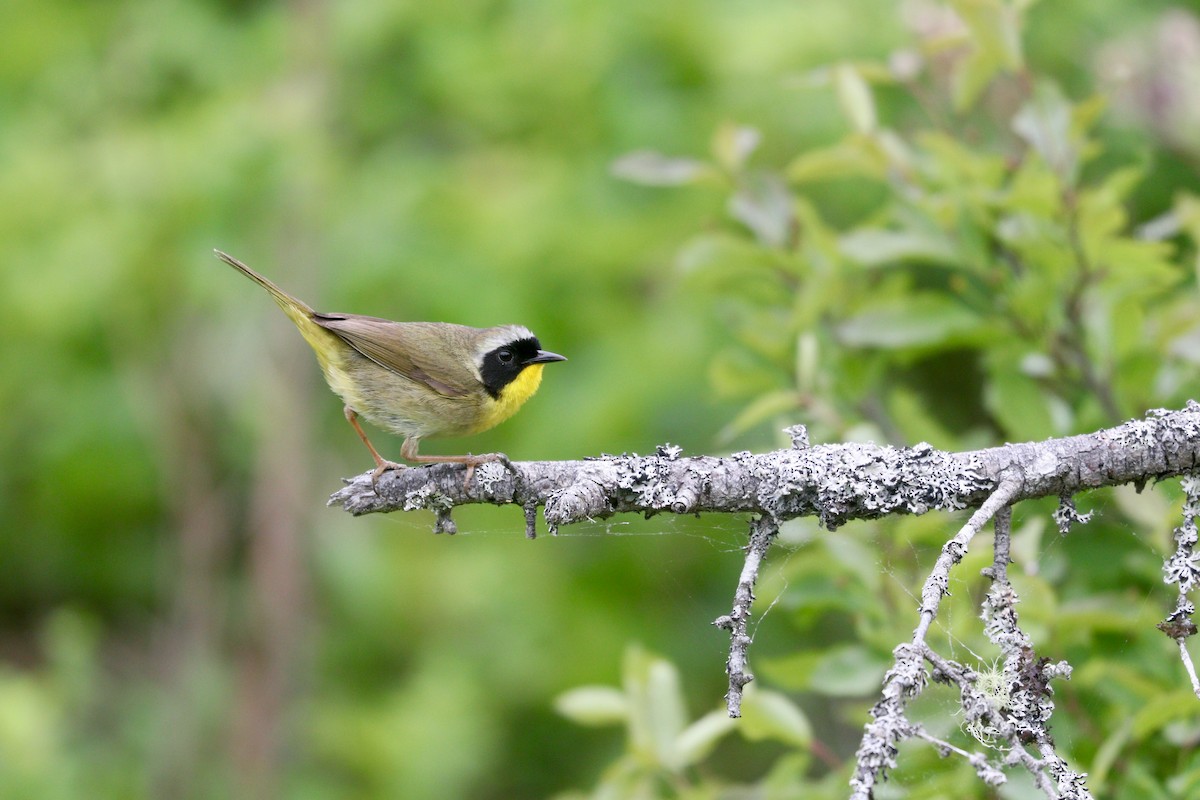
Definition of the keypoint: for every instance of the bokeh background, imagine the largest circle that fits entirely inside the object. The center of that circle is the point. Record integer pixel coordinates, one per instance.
(181, 615)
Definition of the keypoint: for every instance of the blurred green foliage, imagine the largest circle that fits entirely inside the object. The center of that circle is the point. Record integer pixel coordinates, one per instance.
(962, 224)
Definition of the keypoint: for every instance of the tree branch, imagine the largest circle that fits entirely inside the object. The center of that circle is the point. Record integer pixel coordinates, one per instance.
(834, 482)
(841, 482)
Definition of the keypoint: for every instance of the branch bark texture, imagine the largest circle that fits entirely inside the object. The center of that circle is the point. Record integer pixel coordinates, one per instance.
(834, 482)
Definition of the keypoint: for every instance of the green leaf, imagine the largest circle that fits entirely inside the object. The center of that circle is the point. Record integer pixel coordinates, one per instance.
(665, 707)
(1140, 782)
(31, 721)
(733, 144)
(1186, 346)
(922, 320)
(1162, 708)
(722, 264)
(995, 27)
(855, 97)
(1086, 113)
(795, 671)
(808, 361)
(873, 247)
(1097, 616)
(627, 778)
(915, 418)
(1185, 783)
(699, 738)
(764, 205)
(848, 671)
(854, 157)
(1185, 211)
(973, 75)
(875, 71)
(1107, 754)
(1045, 124)
(786, 781)
(812, 594)
(1034, 192)
(593, 705)
(651, 168)
(955, 164)
(656, 708)
(771, 715)
(857, 559)
(994, 34)
(1019, 404)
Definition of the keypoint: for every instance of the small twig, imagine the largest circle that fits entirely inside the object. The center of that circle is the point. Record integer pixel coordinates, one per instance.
(1183, 570)
(1188, 665)
(762, 531)
(889, 725)
(937, 584)
(1028, 703)
(988, 772)
(531, 520)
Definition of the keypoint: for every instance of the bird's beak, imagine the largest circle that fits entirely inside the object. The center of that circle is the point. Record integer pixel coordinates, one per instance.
(545, 357)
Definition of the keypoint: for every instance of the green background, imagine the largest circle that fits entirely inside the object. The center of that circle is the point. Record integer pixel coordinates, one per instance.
(180, 614)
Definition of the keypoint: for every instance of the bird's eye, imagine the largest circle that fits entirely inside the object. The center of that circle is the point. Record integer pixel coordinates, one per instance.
(505, 356)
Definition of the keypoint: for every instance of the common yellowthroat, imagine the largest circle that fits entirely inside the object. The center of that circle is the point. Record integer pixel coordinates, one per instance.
(418, 379)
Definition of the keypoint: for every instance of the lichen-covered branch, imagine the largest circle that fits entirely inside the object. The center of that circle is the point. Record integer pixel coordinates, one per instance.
(841, 482)
(834, 482)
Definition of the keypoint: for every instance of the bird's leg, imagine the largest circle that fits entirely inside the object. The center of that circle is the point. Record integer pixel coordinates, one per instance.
(408, 451)
(382, 465)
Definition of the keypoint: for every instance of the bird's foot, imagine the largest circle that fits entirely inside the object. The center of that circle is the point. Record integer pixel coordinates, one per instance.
(380, 468)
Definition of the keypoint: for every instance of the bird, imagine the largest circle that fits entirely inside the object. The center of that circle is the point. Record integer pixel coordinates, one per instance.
(419, 380)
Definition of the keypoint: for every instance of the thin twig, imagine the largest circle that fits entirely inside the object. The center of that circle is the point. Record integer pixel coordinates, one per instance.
(1188, 665)
(762, 532)
(1183, 569)
(1027, 703)
(937, 584)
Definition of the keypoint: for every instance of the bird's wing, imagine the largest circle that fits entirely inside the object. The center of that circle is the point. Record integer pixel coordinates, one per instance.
(400, 347)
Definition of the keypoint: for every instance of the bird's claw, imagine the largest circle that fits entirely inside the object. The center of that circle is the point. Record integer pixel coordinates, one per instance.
(380, 468)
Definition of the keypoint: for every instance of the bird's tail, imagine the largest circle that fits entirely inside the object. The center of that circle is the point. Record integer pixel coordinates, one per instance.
(325, 344)
(296, 309)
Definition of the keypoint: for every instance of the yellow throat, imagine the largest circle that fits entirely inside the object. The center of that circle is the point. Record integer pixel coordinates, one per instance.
(511, 398)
